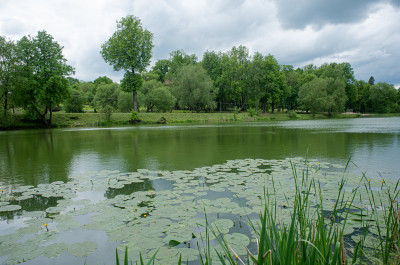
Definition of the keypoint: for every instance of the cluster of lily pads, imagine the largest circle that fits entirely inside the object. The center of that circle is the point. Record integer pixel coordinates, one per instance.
(144, 217)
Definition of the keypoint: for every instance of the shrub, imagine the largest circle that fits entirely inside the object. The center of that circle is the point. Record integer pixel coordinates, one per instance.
(134, 118)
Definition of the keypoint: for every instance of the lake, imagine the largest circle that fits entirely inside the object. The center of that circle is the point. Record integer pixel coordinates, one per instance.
(95, 165)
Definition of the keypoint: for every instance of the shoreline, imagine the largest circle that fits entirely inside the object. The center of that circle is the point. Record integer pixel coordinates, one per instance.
(97, 120)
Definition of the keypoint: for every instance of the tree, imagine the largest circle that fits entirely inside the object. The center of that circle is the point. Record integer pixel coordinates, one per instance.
(124, 102)
(257, 78)
(323, 94)
(371, 81)
(161, 68)
(160, 98)
(383, 97)
(194, 89)
(106, 98)
(178, 59)
(8, 63)
(312, 95)
(75, 100)
(42, 85)
(212, 63)
(129, 48)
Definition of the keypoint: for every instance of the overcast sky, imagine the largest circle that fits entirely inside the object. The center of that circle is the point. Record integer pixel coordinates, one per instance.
(364, 33)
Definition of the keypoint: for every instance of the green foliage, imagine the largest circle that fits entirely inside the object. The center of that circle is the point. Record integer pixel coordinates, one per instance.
(134, 117)
(323, 94)
(124, 102)
(292, 115)
(383, 98)
(194, 89)
(235, 113)
(160, 98)
(131, 82)
(41, 82)
(106, 99)
(178, 59)
(74, 102)
(161, 69)
(129, 48)
(8, 68)
(252, 112)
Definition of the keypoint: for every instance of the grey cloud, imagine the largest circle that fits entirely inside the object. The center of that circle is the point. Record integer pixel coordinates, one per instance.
(317, 13)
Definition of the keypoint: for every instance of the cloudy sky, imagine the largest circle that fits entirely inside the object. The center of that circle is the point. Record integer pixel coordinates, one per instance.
(365, 33)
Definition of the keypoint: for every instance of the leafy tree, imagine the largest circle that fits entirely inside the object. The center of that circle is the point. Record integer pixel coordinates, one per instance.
(194, 89)
(323, 94)
(383, 97)
(124, 102)
(161, 99)
(178, 59)
(8, 63)
(274, 81)
(161, 68)
(106, 99)
(312, 95)
(73, 81)
(129, 48)
(363, 95)
(213, 64)
(102, 80)
(257, 78)
(371, 81)
(42, 85)
(74, 102)
(293, 86)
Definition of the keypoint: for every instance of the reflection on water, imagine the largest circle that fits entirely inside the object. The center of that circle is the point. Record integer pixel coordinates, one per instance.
(44, 156)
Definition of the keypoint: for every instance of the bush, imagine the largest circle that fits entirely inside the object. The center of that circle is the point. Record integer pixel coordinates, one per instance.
(252, 112)
(74, 103)
(134, 118)
(292, 115)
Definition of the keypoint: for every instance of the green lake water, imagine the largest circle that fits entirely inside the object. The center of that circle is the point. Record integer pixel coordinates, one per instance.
(42, 157)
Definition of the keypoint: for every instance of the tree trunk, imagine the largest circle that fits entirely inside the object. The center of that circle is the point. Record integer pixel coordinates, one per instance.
(50, 118)
(272, 107)
(135, 100)
(220, 104)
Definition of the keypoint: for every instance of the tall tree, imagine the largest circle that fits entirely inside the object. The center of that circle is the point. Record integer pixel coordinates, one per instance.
(383, 98)
(129, 48)
(194, 89)
(43, 84)
(161, 68)
(8, 63)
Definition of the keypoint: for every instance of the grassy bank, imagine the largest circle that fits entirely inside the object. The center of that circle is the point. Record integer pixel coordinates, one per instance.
(62, 119)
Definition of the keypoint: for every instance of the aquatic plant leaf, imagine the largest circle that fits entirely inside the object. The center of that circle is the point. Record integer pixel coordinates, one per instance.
(24, 254)
(42, 238)
(83, 249)
(54, 250)
(10, 208)
(35, 214)
(67, 225)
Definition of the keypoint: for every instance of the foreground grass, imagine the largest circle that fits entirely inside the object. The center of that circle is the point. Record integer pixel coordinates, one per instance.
(62, 119)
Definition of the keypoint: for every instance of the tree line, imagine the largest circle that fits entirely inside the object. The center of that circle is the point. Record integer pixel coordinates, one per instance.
(34, 76)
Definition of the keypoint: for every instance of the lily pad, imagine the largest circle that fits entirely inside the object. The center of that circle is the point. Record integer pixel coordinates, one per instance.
(10, 208)
(54, 250)
(83, 249)
(68, 225)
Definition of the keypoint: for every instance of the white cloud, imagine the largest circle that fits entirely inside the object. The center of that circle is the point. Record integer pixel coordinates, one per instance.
(295, 33)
